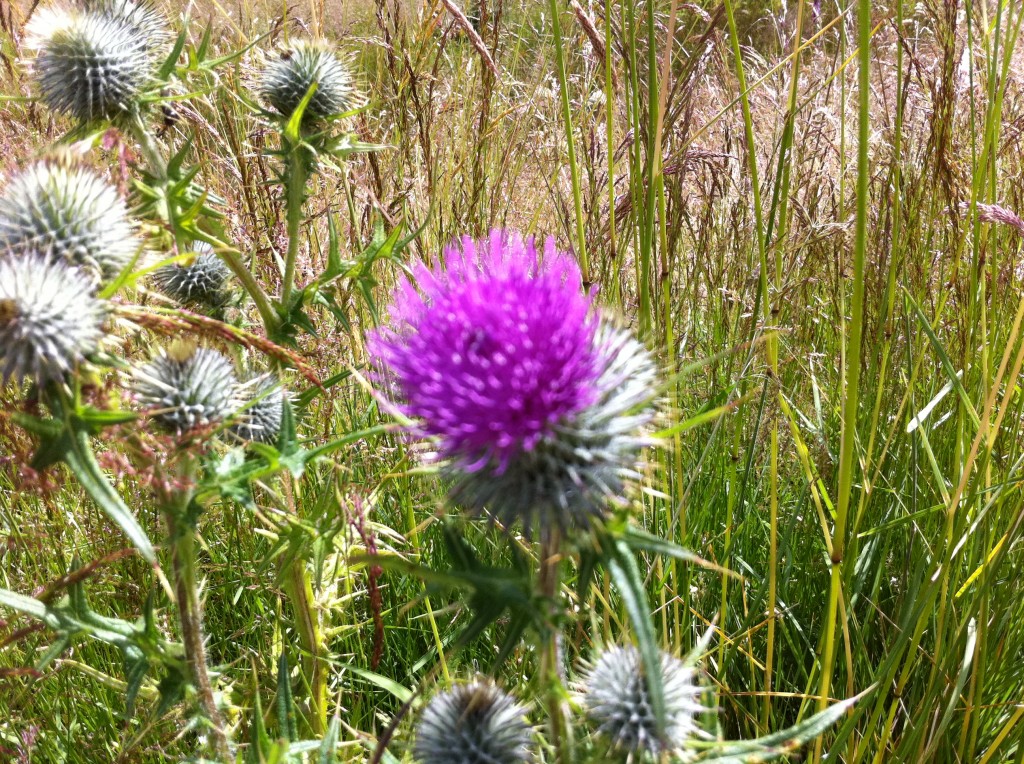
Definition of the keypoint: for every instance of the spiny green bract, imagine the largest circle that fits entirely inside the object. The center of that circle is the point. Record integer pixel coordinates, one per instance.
(616, 698)
(187, 387)
(474, 723)
(263, 402)
(202, 282)
(287, 78)
(49, 319)
(91, 66)
(65, 211)
(139, 15)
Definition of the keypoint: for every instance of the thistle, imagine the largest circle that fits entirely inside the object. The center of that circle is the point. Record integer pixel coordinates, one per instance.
(616, 698)
(537, 403)
(287, 78)
(89, 65)
(259, 419)
(202, 282)
(49, 319)
(138, 15)
(67, 212)
(473, 723)
(187, 387)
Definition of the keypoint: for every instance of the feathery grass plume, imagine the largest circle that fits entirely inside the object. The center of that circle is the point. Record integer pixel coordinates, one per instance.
(263, 401)
(201, 282)
(89, 65)
(539, 404)
(288, 76)
(65, 211)
(49, 319)
(615, 696)
(474, 723)
(187, 387)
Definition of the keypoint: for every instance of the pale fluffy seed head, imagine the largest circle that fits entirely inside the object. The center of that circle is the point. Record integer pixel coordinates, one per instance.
(49, 319)
(67, 212)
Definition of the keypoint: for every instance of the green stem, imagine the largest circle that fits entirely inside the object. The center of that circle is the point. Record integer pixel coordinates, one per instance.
(550, 666)
(297, 173)
(181, 532)
(851, 368)
(570, 146)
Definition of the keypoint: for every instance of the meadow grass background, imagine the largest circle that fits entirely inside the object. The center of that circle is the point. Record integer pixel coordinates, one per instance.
(717, 221)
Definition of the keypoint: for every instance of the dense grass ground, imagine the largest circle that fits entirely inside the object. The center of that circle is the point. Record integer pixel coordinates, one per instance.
(850, 418)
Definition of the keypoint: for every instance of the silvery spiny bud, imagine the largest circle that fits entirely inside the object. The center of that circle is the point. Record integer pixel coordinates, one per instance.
(49, 319)
(187, 387)
(65, 211)
(201, 282)
(287, 78)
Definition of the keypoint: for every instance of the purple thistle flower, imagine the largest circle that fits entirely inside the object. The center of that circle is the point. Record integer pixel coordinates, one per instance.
(537, 405)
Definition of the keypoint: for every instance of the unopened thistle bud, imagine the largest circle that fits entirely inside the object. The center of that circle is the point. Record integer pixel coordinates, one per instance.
(65, 211)
(49, 319)
(186, 387)
(473, 723)
(138, 15)
(538, 404)
(89, 65)
(616, 698)
(201, 282)
(263, 402)
(288, 76)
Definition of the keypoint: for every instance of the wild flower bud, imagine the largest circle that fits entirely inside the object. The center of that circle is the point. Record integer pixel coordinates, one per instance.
(263, 402)
(201, 282)
(89, 65)
(49, 319)
(65, 211)
(288, 76)
(473, 723)
(538, 404)
(616, 698)
(186, 387)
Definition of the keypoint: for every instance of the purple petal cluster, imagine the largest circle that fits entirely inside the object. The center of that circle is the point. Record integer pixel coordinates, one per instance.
(492, 352)
(539, 406)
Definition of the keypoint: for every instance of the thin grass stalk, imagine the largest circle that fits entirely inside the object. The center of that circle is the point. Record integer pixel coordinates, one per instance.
(759, 232)
(851, 367)
(772, 309)
(570, 146)
(609, 126)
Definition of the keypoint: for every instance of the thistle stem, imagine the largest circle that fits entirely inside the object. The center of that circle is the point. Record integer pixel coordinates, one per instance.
(181, 533)
(296, 175)
(550, 665)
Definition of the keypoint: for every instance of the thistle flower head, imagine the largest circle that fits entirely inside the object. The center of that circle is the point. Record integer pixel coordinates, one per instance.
(49, 318)
(473, 723)
(616, 697)
(288, 76)
(537, 404)
(263, 402)
(141, 16)
(89, 65)
(67, 212)
(187, 386)
(201, 282)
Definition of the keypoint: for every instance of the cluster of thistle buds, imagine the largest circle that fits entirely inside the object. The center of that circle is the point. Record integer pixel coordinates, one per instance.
(185, 387)
(476, 721)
